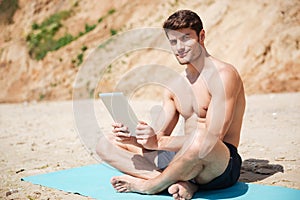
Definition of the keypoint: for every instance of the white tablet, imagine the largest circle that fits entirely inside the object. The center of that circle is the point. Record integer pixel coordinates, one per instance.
(120, 110)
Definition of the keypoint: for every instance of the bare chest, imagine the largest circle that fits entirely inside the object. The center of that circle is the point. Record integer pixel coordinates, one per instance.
(195, 102)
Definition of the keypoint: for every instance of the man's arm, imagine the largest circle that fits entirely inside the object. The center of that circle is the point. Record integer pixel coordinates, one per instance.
(225, 88)
(158, 137)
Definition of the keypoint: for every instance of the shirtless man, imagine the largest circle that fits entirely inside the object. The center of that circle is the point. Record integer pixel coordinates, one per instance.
(209, 93)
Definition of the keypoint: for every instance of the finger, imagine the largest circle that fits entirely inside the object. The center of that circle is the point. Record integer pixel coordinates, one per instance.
(141, 126)
(121, 129)
(117, 125)
(122, 139)
(116, 130)
(175, 196)
(141, 141)
(141, 135)
(122, 134)
(142, 122)
(139, 132)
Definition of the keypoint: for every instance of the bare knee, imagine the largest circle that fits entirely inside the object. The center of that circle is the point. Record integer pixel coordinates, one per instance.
(100, 148)
(193, 165)
(103, 147)
(191, 151)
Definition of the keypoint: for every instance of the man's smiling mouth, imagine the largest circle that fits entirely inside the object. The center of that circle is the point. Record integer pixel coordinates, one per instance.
(182, 55)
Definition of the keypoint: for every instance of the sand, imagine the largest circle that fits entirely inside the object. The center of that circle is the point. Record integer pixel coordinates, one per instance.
(37, 138)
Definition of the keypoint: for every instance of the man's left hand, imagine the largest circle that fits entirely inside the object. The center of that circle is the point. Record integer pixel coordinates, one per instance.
(146, 136)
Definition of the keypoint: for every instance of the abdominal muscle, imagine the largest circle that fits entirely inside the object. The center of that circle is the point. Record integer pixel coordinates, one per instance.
(193, 123)
(198, 123)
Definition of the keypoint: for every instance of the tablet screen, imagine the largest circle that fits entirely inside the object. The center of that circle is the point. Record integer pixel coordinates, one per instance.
(120, 110)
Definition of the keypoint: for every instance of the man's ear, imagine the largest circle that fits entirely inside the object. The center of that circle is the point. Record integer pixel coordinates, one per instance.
(202, 36)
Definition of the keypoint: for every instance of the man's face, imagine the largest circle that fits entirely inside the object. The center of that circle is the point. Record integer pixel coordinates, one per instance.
(185, 45)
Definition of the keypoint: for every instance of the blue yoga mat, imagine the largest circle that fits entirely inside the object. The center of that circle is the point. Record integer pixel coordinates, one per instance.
(94, 181)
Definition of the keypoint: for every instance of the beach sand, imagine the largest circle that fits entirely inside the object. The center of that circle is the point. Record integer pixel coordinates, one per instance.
(37, 138)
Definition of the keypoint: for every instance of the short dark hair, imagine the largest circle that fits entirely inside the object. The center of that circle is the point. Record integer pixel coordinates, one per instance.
(184, 19)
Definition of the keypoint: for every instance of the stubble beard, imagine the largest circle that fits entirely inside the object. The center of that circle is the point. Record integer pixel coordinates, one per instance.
(183, 61)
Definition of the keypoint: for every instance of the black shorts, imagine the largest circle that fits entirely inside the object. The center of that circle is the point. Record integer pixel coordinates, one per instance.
(231, 174)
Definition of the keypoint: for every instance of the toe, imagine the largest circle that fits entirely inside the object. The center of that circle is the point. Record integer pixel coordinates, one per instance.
(113, 181)
(176, 196)
(122, 190)
(184, 194)
(173, 189)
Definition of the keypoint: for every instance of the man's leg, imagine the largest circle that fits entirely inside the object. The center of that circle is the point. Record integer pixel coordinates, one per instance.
(131, 158)
(183, 190)
(185, 166)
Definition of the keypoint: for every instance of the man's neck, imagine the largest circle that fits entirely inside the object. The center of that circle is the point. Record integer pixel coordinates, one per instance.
(194, 69)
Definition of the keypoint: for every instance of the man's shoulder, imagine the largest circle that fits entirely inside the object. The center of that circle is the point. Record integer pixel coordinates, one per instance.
(226, 76)
(225, 70)
(222, 66)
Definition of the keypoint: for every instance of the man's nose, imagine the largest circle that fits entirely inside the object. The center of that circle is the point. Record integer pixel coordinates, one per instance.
(179, 46)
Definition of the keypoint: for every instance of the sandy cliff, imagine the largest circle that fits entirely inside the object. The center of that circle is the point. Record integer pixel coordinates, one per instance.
(260, 38)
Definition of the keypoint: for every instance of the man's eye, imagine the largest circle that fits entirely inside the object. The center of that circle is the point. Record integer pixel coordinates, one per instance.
(185, 38)
(173, 42)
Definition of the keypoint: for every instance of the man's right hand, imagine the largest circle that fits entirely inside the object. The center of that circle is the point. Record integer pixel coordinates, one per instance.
(121, 133)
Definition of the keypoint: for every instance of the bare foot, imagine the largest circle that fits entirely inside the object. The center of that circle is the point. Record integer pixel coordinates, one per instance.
(183, 190)
(128, 183)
